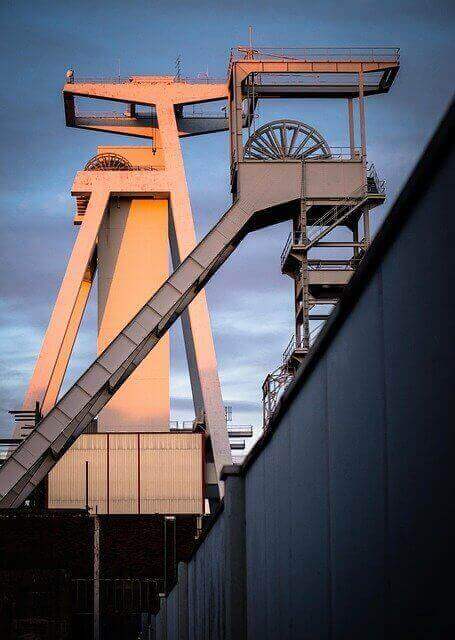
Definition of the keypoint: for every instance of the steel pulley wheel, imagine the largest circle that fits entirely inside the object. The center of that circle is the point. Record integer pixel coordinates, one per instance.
(108, 162)
(286, 140)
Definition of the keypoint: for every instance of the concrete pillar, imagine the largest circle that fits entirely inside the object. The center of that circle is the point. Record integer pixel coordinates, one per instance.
(183, 613)
(205, 383)
(235, 581)
(61, 332)
(133, 262)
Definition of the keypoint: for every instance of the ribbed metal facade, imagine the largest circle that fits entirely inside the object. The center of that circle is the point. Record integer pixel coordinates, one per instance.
(131, 473)
(67, 482)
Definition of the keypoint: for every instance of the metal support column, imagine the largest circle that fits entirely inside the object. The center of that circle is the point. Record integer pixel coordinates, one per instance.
(355, 238)
(304, 342)
(96, 577)
(366, 226)
(351, 127)
(363, 142)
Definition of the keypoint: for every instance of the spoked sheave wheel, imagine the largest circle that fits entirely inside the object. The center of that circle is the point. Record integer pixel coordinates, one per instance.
(286, 140)
(108, 162)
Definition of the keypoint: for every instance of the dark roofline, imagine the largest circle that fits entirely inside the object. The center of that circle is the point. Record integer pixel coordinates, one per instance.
(415, 188)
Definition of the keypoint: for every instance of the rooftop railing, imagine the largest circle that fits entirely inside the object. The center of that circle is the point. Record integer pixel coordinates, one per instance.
(205, 114)
(200, 79)
(336, 153)
(141, 167)
(99, 80)
(122, 115)
(318, 54)
(79, 113)
(234, 431)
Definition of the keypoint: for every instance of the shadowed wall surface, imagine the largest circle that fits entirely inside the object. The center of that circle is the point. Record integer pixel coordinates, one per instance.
(338, 525)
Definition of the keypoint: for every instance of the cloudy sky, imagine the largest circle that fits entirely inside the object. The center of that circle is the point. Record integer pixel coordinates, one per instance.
(250, 301)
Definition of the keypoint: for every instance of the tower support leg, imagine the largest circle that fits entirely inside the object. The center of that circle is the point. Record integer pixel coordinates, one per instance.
(198, 337)
(61, 332)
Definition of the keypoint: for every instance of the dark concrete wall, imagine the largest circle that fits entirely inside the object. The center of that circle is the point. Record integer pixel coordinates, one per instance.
(348, 503)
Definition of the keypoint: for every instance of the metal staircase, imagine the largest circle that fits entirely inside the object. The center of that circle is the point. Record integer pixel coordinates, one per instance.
(373, 189)
(312, 292)
(335, 216)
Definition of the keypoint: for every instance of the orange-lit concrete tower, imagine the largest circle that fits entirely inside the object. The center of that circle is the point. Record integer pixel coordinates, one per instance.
(132, 263)
(130, 200)
(285, 170)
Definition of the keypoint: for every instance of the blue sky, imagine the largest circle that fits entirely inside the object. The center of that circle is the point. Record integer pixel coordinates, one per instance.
(250, 301)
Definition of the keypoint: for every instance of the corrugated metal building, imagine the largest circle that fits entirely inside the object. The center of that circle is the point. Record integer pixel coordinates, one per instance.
(131, 473)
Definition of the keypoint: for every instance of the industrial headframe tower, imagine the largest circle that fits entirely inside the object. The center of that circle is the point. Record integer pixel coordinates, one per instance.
(126, 198)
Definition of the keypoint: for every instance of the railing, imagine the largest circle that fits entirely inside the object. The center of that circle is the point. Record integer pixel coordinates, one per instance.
(373, 179)
(272, 388)
(139, 167)
(114, 114)
(295, 237)
(336, 153)
(234, 431)
(204, 114)
(7, 446)
(100, 80)
(307, 79)
(334, 214)
(240, 431)
(294, 345)
(331, 265)
(278, 381)
(201, 79)
(318, 54)
(123, 115)
(343, 153)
